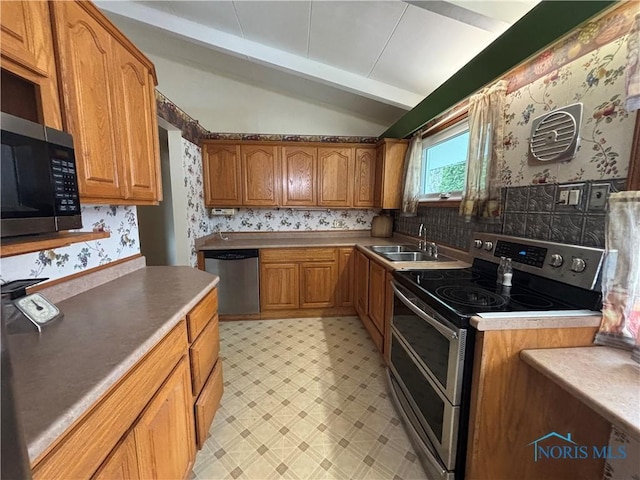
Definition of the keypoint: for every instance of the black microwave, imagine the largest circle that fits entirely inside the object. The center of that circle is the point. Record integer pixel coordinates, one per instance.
(39, 191)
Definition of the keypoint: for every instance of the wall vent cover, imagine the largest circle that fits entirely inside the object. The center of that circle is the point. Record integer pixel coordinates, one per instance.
(555, 136)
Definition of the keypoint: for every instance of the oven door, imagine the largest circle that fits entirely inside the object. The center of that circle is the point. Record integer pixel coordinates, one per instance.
(437, 345)
(430, 414)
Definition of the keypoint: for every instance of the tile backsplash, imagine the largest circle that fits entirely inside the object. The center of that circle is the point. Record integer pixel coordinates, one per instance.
(530, 211)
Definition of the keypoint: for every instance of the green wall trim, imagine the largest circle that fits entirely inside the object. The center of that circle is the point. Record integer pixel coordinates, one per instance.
(545, 23)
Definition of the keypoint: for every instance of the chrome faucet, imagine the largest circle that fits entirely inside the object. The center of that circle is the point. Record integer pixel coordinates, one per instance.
(428, 247)
(422, 234)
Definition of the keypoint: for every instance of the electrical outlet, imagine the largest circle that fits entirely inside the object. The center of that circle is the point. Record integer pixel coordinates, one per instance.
(598, 197)
(563, 198)
(571, 198)
(227, 212)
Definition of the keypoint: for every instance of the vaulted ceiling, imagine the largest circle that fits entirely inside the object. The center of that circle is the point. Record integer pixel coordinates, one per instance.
(384, 56)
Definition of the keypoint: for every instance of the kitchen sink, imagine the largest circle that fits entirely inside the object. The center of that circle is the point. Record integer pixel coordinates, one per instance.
(394, 248)
(415, 257)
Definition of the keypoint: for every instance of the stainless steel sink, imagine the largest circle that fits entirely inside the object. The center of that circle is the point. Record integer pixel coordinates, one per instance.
(415, 257)
(394, 248)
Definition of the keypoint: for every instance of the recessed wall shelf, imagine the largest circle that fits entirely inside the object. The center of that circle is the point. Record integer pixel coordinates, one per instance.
(35, 243)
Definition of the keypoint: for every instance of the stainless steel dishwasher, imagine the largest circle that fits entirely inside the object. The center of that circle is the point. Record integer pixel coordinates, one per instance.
(239, 287)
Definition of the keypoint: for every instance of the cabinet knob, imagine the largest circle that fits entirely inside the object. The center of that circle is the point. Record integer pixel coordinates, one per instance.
(556, 260)
(578, 265)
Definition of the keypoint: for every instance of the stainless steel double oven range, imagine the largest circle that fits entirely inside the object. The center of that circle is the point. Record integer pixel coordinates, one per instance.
(432, 341)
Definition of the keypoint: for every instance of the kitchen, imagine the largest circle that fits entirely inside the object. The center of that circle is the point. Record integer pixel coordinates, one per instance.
(530, 192)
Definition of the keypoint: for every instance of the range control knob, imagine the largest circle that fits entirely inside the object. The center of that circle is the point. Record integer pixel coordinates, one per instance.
(578, 265)
(556, 260)
(488, 245)
(477, 243)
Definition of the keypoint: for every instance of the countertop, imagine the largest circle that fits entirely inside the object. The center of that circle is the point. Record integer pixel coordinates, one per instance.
(60, 373)
(603, 378)
(360, 239)
(535, 320)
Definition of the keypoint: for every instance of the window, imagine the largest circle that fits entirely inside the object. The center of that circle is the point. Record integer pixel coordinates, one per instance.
(444, 162)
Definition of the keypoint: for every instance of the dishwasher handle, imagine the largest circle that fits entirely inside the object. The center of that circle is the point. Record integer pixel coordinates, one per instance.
(239, 254)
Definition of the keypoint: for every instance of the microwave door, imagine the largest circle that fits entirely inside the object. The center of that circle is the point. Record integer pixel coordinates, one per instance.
(27, 204)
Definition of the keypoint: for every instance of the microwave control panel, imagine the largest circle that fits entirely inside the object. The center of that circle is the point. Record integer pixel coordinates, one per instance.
(65, 181)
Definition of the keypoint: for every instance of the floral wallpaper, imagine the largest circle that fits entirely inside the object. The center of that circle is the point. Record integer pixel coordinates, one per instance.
(201, 223)
(121, 221)
(596, 80)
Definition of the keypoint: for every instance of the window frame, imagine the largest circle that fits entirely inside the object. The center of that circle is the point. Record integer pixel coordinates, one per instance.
(445, 128)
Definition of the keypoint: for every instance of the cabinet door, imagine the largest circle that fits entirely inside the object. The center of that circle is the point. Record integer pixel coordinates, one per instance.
(346, 268)
(365, 177)
(299, 166)
(378, 176)
(335, 176)
(122, 463)
(279, 286)
(138, 130)
(85, 50)
(362, 284)
(164, 434)
(27, 51)
(260, 175)
(318, 284)
(377, 294)
(222, 182)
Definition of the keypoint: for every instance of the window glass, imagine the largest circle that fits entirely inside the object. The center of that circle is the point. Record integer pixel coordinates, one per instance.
(444, 161)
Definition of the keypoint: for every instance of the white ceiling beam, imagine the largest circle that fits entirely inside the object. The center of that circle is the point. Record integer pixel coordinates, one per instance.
(464, 15)
(263, 54)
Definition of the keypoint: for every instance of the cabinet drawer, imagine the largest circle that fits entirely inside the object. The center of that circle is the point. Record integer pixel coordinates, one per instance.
(297, 254)
(208, 403)
(203, 354)
(203, 312)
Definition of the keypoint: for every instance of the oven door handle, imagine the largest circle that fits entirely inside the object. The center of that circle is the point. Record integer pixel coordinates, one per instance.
(447, 332)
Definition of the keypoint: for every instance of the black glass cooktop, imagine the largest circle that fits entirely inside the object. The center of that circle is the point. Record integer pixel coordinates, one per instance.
(470, 291)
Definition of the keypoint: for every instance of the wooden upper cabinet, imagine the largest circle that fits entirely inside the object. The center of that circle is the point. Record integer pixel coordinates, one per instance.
(109, 100)
(260, 175)
(365, 177)
(299, 171)
(222, 180)
(165, 433)
(335, 176)
(26, 43)
(85, 50)
(139, 127)
(389, 173)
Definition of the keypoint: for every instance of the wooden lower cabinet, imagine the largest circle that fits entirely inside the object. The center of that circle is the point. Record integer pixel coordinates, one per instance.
(317, 284)
(313, 281)
(512, 405)
(164, 433)
(208, 403)
(122, 464)
(377, 278)
(279, 286)
(362, 283)
(372, 297)
(346, 278)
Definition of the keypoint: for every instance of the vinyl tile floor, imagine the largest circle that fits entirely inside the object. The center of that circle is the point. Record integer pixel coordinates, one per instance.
(304, 399)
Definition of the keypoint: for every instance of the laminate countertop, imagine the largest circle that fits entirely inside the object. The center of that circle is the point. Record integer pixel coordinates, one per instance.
(603, 378)
(359, 239)
(62, 372)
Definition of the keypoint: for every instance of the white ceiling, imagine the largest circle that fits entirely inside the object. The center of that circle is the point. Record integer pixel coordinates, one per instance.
(390, 52)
